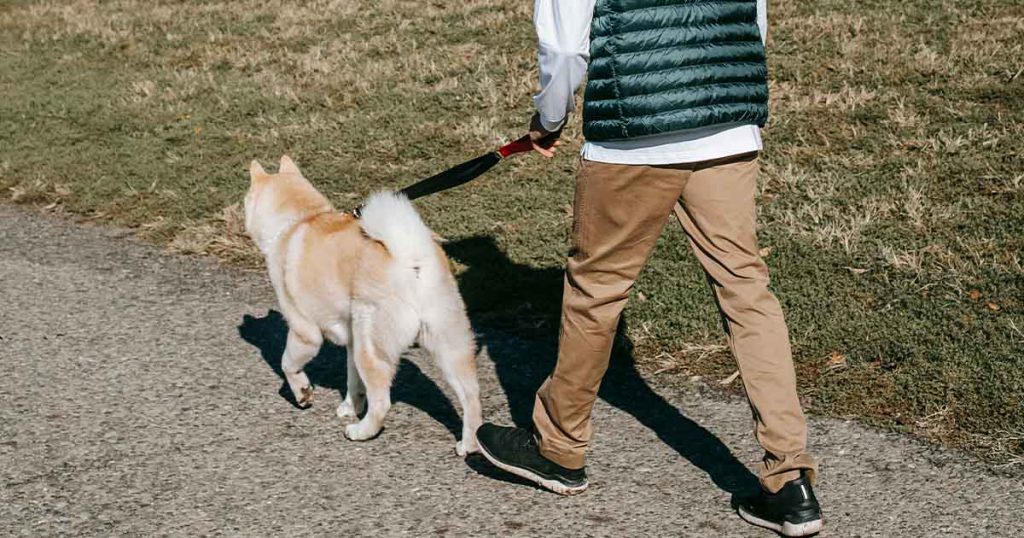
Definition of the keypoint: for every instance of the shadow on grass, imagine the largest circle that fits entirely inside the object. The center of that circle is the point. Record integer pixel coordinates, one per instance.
(515, 309)
(506, 298)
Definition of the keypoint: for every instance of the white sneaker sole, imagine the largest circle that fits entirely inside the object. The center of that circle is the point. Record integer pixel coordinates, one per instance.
(551, 485)
(786, 529)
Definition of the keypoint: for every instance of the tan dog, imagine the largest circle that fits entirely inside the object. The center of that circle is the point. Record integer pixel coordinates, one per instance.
(376, 285)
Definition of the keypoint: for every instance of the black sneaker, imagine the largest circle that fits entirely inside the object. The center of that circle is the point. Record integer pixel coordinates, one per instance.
(515, 450)
(793, 511)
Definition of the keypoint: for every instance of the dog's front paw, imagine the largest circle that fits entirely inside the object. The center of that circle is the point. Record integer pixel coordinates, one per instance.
(301, 388)
(349, 411)
(305, 397)
(361, 431)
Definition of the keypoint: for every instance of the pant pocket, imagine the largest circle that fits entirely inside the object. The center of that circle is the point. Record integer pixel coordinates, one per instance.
(580, 206)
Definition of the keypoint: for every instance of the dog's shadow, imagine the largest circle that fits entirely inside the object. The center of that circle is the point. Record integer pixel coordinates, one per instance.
(328, 370)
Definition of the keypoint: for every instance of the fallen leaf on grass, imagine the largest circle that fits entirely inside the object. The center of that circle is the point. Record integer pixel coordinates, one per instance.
(974, 295)
(856, 270)
(836, 361)
(764, 252)
(730, 379)
(992, 306)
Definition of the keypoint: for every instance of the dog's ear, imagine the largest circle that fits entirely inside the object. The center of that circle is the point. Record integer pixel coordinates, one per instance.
(288, 166)
(256, 171)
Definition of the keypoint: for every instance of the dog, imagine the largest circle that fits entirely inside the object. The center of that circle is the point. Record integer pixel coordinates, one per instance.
(374, 284)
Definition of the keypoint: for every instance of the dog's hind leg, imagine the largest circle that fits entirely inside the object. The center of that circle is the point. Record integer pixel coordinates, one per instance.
(449, 339)
(376, 369)
(299, 350)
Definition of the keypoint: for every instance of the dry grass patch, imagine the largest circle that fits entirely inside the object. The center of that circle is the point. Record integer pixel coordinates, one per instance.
(223, 237)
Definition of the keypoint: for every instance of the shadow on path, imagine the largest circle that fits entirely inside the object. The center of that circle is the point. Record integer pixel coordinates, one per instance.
(328, 370)
(505, 297)
(515, 309)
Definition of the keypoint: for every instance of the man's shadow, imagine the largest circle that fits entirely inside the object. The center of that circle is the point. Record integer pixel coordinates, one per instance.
(328, 370)
(512, 303)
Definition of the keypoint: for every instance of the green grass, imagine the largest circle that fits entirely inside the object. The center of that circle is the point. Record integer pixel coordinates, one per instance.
(892, 195)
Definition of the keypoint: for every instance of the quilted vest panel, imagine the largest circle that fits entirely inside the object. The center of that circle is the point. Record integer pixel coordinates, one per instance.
(660, 66)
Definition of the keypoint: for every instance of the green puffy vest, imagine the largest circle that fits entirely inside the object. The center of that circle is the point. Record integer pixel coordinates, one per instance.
(661, 66)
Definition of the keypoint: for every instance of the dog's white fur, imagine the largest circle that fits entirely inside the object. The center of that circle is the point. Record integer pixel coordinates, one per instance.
(375, 285)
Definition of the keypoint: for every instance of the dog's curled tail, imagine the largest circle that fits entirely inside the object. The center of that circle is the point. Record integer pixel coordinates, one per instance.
(390, 218)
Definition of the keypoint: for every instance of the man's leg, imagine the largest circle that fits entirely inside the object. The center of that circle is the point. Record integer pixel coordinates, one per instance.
(618, 215)
(719, 217)
(619, 212)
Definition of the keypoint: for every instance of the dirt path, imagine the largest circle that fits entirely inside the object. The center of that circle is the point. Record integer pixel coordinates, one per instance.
(140, 397)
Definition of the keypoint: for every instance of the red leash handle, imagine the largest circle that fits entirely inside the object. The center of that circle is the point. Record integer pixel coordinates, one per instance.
(518, 146)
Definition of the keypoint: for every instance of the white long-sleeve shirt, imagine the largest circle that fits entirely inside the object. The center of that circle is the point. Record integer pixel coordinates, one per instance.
(563, 34)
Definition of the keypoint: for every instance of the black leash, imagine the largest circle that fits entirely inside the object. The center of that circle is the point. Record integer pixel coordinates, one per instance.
(462, 173)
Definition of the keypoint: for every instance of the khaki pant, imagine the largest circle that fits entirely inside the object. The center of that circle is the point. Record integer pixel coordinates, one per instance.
(619, 212)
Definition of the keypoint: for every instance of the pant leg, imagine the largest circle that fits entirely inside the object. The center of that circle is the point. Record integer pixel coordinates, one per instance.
(619, 212)
(719, 217)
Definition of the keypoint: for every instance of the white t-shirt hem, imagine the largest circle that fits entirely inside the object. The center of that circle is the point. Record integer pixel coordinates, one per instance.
(693, 145)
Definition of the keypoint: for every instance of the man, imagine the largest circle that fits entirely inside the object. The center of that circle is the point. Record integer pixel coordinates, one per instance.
(676, 93)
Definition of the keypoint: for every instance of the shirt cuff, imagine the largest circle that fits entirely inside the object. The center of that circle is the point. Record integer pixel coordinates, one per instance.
(550, 126)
